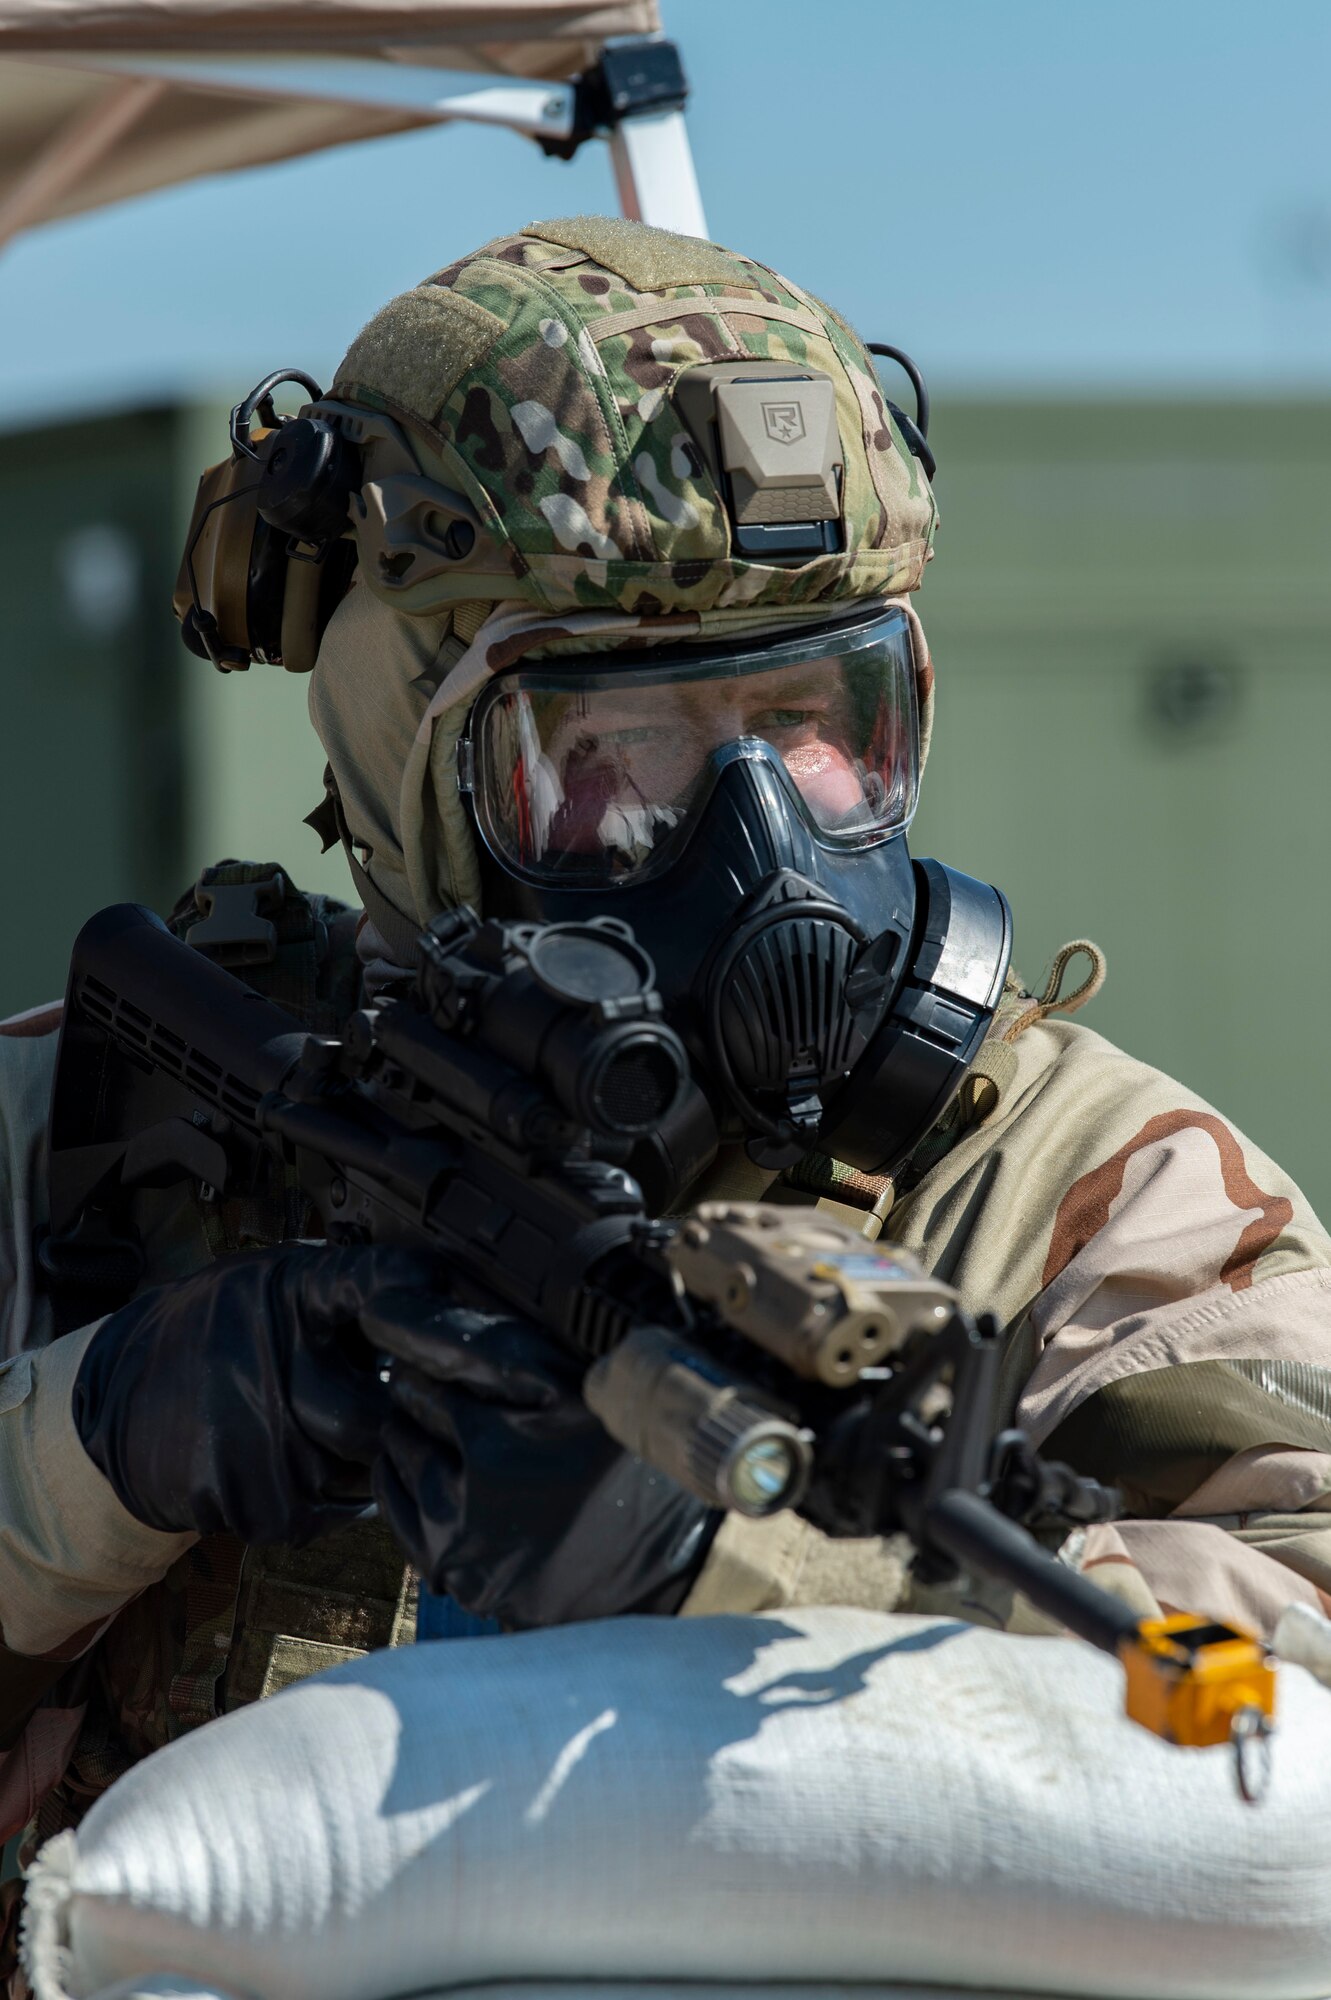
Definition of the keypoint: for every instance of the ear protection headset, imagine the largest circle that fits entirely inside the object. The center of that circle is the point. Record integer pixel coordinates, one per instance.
(916, 433)
(269, 554)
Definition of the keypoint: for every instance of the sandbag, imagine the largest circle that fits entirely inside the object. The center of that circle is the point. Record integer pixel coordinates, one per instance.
(821, 1795)
(160, 1988)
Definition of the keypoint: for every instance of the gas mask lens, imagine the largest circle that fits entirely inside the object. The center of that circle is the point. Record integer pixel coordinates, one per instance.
(584, 774)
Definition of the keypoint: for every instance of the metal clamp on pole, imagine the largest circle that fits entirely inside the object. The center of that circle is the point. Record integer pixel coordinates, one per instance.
(634, 96)
(630, 80)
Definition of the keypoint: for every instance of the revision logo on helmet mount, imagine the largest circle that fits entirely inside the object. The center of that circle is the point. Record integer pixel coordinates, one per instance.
(783, 421)
(776, 457)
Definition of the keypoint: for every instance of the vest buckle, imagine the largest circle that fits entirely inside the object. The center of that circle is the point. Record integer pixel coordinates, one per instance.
(232, 930)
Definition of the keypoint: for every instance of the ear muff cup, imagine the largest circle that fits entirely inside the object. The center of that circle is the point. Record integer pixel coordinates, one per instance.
(269, 557)
(213, 588)
(308, 472)
(265, 588)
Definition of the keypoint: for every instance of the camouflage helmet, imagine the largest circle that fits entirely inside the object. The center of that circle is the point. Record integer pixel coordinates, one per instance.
(547, 380)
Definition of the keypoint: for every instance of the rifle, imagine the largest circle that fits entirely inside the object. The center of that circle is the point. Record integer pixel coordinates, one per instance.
(764, 1356)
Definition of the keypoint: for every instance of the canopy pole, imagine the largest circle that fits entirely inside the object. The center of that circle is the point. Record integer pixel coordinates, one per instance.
(83, 140)
(654, 172)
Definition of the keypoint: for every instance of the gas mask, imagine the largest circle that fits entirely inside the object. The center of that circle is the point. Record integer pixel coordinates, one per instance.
(743, 810)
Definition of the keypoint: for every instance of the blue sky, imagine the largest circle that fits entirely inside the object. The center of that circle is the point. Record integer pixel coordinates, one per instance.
(1038, 195)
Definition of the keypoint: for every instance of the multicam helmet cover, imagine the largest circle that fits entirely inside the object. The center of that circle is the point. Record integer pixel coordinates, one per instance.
(534, 484)
(540, 380)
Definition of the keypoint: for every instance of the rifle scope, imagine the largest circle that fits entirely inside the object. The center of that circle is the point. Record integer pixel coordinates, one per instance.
(572, 1006)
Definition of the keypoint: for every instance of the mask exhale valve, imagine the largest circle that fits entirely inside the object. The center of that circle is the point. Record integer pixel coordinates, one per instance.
(785, 1021)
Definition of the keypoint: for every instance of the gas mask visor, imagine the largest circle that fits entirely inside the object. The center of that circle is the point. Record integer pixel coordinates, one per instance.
(585, 775)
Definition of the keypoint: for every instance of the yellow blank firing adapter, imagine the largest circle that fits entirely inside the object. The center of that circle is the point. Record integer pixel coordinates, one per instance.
(1197, 1683)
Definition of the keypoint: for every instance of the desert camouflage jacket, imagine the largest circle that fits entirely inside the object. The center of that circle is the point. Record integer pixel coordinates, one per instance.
(1166, 1297)
(1166, 1293)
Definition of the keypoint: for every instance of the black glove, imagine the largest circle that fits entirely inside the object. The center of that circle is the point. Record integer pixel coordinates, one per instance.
(503, 1488)
(244, 1398)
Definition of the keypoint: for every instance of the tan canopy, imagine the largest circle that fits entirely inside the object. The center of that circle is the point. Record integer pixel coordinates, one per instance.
(100, 99)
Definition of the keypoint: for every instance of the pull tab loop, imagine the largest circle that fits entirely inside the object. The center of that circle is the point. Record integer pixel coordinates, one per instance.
(1053, 1000)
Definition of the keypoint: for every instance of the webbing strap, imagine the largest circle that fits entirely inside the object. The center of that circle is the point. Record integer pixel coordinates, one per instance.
(819, 1174)
(1053, 1000)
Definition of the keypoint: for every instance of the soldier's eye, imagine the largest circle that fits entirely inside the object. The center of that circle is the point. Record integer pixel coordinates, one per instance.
(784, 718)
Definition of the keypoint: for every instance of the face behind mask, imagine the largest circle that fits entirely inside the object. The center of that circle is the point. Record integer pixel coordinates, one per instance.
(745, 815)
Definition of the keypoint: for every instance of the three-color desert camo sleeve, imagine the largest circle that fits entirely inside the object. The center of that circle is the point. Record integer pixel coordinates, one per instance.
(1166, 1291)
(1165, 1295)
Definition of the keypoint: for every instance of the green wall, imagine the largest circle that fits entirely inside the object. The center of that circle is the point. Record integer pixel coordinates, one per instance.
(90, 681)
(1130, 613)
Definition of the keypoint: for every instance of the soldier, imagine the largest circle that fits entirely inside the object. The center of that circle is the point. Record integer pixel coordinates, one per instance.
(635, 538)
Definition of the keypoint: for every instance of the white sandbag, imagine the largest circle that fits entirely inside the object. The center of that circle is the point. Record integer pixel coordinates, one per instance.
(816, 1795)
(163, 1986)
(167, 1986)
(679, 1989)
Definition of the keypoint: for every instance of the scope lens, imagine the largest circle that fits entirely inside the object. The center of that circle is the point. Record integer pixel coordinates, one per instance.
(767, 1474)
(637, 1085)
